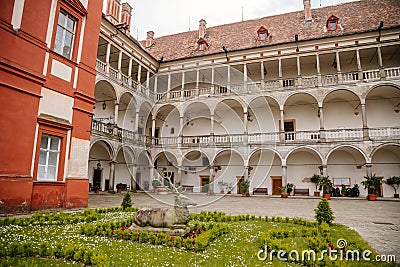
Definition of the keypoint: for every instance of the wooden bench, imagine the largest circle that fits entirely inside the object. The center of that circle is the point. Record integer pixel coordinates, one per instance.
(301, 191)
(260, 190)
(188, 188)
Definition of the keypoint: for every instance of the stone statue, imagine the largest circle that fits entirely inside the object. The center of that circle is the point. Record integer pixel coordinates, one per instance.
(173, 218)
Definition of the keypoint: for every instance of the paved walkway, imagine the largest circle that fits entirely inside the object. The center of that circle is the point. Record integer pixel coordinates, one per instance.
(378, 222)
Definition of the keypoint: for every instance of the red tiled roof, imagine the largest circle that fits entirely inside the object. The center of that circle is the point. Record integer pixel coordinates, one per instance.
(354, 17)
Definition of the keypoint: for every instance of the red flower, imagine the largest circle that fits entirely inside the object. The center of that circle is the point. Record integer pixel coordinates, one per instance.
(172, 238)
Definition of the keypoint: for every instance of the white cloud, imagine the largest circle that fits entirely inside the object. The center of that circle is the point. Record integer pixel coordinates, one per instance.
(166, 17)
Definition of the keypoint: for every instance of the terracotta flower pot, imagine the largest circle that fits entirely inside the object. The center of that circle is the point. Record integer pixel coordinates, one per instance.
(244, 195)
(221, 192)
(327, 196)
(119, 190)
(372, 197)
(97, 191)
(316, 193)
(284, 195)
(396, 195)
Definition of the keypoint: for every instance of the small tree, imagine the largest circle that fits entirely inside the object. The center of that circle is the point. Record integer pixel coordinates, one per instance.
(127, 201)
(394, 182)
(323, 212)
(325, 184)
(315, 181)
(371, 183)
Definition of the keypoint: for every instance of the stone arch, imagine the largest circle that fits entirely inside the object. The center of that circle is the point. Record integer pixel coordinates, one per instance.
(382, 146)
(373, 87)
(106, 144)
(342, 110)
(364, 155)
(340, 89)
(305, 148)
(296, 93)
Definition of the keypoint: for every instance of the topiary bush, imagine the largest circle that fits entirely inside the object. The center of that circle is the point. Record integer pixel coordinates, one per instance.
(323, 212)
(127, 201)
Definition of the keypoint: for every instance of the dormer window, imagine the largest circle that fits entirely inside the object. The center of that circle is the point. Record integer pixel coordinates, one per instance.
(332, 24)
(262, 34)
(202, 44)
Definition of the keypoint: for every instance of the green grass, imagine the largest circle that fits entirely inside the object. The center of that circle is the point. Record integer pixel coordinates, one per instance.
(239, 247)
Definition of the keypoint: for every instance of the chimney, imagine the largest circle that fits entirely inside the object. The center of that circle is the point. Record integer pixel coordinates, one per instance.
(126, 15)
(112, 11)
(149, 39)
(307, 11)
(202, 28)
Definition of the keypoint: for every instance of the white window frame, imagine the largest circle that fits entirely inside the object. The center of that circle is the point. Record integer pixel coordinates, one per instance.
(64, 31)
(48, 150)
(338, 181)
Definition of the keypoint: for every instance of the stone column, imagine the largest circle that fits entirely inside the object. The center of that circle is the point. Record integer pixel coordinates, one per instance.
(359, 68)
(148, 80)
(284, 175)
(339, 68)
(368, 167)
(229, 77)
(130, 70)
(364, 121)
(116, 113)
(321, 123)
(299, 71)
(280, 72)
(262, 71)
(380, 62)
(133, 178)
(139, 74)
(120, 65)
(211, 185)
(197, 79)
(155, 84)
(318, 70)
(282, 126)
(108, 57)
(153, 130)
(111, 182)
(179, 178)
(137, 121)
(245, 77)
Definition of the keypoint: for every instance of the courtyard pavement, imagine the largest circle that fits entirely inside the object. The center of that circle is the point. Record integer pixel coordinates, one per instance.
(378, 222)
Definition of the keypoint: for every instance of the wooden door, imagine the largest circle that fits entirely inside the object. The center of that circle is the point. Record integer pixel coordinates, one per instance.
(97, 178)
(204, 183)
(239, 180)
(276, 185)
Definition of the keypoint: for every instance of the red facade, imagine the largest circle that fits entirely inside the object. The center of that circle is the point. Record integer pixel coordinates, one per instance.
(47, 78)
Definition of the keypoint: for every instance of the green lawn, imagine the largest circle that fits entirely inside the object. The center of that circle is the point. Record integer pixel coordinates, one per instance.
(238, 247)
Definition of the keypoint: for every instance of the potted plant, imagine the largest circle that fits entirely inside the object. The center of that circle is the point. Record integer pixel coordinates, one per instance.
(284, 193)
(244, 186)
(289, 188)
(222, 185)
(325, 184)
(158, 187)
(119, 188)
(371, 183)
(343, 191)
(96, 189)
(229, 187)
(315, 180)
(394, 182)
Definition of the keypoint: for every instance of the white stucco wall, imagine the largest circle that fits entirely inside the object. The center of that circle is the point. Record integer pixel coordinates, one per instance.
(56, 104)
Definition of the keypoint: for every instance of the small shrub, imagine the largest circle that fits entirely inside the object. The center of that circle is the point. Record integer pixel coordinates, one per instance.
(127, 201)
(323, 212)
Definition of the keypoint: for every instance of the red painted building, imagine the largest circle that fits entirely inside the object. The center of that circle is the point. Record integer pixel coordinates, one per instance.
(47, 78)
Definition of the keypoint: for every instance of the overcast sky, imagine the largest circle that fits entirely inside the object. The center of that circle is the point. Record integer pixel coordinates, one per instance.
(166, 17)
